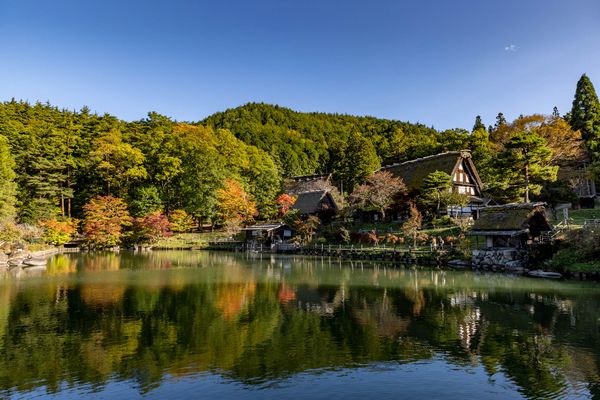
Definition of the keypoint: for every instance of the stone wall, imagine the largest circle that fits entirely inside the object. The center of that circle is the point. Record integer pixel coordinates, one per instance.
(500, 258)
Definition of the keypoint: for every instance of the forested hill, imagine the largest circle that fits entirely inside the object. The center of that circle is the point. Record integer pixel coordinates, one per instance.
(304, 143)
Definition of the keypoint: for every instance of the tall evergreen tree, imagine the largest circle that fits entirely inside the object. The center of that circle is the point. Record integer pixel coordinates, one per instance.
(555, 113)
(526, 161)
(478, 124)
(500, 120)
(585, 115)
(7, 184)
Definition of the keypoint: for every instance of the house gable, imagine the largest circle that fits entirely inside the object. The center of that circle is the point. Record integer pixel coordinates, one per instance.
(457, 164)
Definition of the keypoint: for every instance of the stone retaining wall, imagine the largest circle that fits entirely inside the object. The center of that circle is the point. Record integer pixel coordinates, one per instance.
(500, 258)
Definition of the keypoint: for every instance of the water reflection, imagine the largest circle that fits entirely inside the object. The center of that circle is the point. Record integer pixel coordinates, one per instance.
(146, 318)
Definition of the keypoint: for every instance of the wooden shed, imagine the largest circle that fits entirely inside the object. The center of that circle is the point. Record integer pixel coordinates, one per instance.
(512, 225)
(268, 234)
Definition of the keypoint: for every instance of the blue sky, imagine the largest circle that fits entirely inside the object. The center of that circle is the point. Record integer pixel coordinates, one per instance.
(436, 62)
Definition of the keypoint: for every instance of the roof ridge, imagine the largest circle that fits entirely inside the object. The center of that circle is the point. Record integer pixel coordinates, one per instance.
(446, 153)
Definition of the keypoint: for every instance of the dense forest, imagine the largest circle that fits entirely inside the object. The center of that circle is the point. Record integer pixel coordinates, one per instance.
(54, 161)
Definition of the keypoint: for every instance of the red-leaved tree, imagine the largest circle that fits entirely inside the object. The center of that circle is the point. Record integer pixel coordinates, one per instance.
(150, 228)
(284, 203)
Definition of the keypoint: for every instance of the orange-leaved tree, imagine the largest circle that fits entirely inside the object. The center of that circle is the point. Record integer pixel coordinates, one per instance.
(284, 203)
(234, 203)
(58, 231)
(104, 219)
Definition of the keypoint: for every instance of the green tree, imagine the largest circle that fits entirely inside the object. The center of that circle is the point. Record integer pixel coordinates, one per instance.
(525, 162)
(354, 161)
(500, 120)
(478, 124)
(118, 163)
(145, 200)
(7, 183)
(436, 189)
(585, 115)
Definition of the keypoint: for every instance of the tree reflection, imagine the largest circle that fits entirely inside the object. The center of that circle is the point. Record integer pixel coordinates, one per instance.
(257, 321)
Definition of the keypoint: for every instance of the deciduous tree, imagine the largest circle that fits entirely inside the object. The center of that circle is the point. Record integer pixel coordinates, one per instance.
(234, 202)
(180, 221)
(284, 203)
(57, 231)
(150, 228)
(379, 193)
(104, 220)
(411, 226)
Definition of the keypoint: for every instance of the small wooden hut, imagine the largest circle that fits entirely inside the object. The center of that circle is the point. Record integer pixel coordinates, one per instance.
(267, 234)
(512, 225)
(509, 231)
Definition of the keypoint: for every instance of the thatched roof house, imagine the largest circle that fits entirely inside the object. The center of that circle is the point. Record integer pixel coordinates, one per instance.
(458, 164)
(511, 225)
(315, 202)
(308, 183)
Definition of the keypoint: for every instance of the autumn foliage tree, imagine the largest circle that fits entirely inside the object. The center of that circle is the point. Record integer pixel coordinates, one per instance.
(180, 221)
(411, 226)
(284, 202)
(58, 232)
(104, 220)
(379, 192)
(234, 202)
(150, 228)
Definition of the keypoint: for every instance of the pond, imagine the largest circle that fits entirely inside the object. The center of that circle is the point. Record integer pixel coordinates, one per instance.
(202, 324)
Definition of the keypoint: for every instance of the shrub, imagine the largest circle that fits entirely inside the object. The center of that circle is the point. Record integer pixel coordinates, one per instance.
(444, 220)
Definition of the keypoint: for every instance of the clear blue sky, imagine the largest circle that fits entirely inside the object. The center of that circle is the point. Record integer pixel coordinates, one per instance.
(437, 62)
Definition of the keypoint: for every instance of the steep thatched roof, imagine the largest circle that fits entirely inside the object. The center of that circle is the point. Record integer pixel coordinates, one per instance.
(512, 218)
(313, 202)
(415, 171)
(308, 183)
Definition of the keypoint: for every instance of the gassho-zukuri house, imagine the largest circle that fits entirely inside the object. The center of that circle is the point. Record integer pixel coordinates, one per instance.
(458, 164)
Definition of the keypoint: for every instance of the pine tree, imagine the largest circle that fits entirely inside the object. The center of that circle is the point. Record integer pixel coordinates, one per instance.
(7, 184)
(500, 120)
(525, 160)
(555, 113)
(478, 124)
(585, 115)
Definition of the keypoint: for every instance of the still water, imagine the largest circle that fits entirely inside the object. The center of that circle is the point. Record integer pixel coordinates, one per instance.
(217, 325)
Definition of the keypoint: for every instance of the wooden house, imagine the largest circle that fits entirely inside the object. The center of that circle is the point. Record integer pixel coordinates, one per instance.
(458, 164)
(512, 225)
(318, 202)
(509, 231)
(266, 235)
